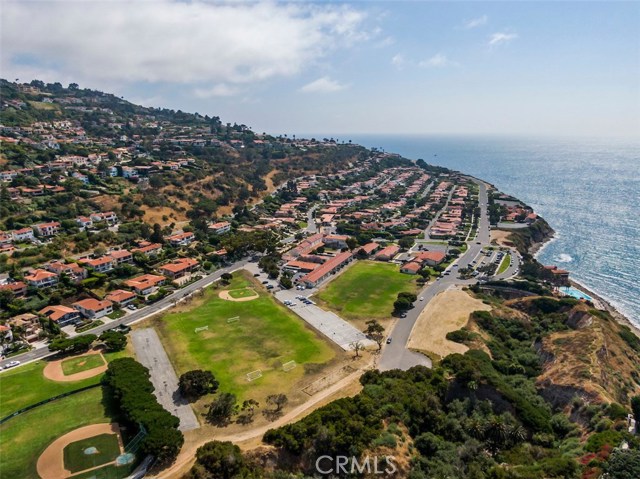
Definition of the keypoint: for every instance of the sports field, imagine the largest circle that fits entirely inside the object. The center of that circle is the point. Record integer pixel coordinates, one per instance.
(26, 385)
(106, 449)
(242, 293)
(84, 363)
(366, 290)
(265, 336)
(25, 437)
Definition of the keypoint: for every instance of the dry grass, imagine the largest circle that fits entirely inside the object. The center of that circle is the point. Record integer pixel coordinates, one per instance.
(501, 238)
(448, 311)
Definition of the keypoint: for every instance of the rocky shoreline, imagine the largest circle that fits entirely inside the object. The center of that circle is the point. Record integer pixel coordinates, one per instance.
(535, 249)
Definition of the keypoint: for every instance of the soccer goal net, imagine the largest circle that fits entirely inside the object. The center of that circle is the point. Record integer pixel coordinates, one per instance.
(289, 365)
(253, 375)
(202, 328)
(234, 319)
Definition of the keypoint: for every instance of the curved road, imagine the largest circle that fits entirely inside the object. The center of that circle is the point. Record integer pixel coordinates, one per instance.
(396, 355)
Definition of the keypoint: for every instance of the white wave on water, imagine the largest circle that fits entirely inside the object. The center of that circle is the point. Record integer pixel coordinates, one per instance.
(563, 258)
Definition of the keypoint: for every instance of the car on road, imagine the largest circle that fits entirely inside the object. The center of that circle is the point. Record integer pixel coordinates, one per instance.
(388, 340)
(478, 242)
(12, 364)
(265, 282)
(421, 299)
(403, 315)
(255, 275)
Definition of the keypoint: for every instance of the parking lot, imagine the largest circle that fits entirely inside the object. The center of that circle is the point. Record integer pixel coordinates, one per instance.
(329, 324)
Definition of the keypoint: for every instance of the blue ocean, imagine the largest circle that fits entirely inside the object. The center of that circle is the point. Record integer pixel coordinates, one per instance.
(587, 189)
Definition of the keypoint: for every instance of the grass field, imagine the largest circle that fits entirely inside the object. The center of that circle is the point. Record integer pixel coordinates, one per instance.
(504, 265)
(242, 293)
(25, 437)
(366, 289)
(25, 385)
(84, 363)
(265, 336)
(75, 459)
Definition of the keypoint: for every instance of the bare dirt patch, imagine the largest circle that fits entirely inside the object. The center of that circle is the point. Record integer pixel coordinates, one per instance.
(54, 371)
(448, 311)
(227, 296)
(51, 462)
(501, 238)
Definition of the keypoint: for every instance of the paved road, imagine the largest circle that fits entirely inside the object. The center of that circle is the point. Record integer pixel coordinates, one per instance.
(138, 315)
(151, 354)
(427, 231)
(396, 355)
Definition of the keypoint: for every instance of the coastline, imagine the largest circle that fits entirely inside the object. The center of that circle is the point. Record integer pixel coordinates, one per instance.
(536, 248)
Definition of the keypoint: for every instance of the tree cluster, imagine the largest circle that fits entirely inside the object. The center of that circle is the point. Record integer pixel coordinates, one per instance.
(132, 390)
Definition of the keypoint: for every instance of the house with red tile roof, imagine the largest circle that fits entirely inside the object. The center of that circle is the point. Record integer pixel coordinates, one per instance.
(178, 268)
(220, 228)
(430, 258)
(121, 256)
(388, 253)
(94, 309)
(150, 249)
(40, 278)
(370, 248)
(18, 288)
(146, 283)
(103, 264)
(62, 315)
(120, 297)
(23, 234)
(76, 272)
(181, 239)
(412, 267)
(47, 229)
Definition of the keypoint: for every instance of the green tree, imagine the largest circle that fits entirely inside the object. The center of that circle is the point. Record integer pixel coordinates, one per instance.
(221, 409)
(114, 340)
(376, 332)
(197, 383)
(219, 460)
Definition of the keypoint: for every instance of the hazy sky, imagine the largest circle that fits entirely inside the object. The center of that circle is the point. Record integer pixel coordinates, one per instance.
(559, 68)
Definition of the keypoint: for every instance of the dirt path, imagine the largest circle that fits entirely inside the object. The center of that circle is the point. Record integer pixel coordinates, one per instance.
(448, 311)
(51, 462)
(226, 296)
(53, 370)
(187, 456)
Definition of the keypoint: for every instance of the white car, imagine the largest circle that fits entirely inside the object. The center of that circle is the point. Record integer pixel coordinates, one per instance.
(421, 299)
(12, 364)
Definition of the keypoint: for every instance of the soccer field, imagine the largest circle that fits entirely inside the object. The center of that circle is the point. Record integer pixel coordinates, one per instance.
(367, 289)
(264, 336)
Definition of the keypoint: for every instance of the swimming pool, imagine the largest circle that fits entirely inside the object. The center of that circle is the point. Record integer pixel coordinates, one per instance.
(575, 293)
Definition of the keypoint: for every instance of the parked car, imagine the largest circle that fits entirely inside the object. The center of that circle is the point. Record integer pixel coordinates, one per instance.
(132, 307)
(255, 275)
(270, 286)
(388, 340)
(265, 282)
(12, 364)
